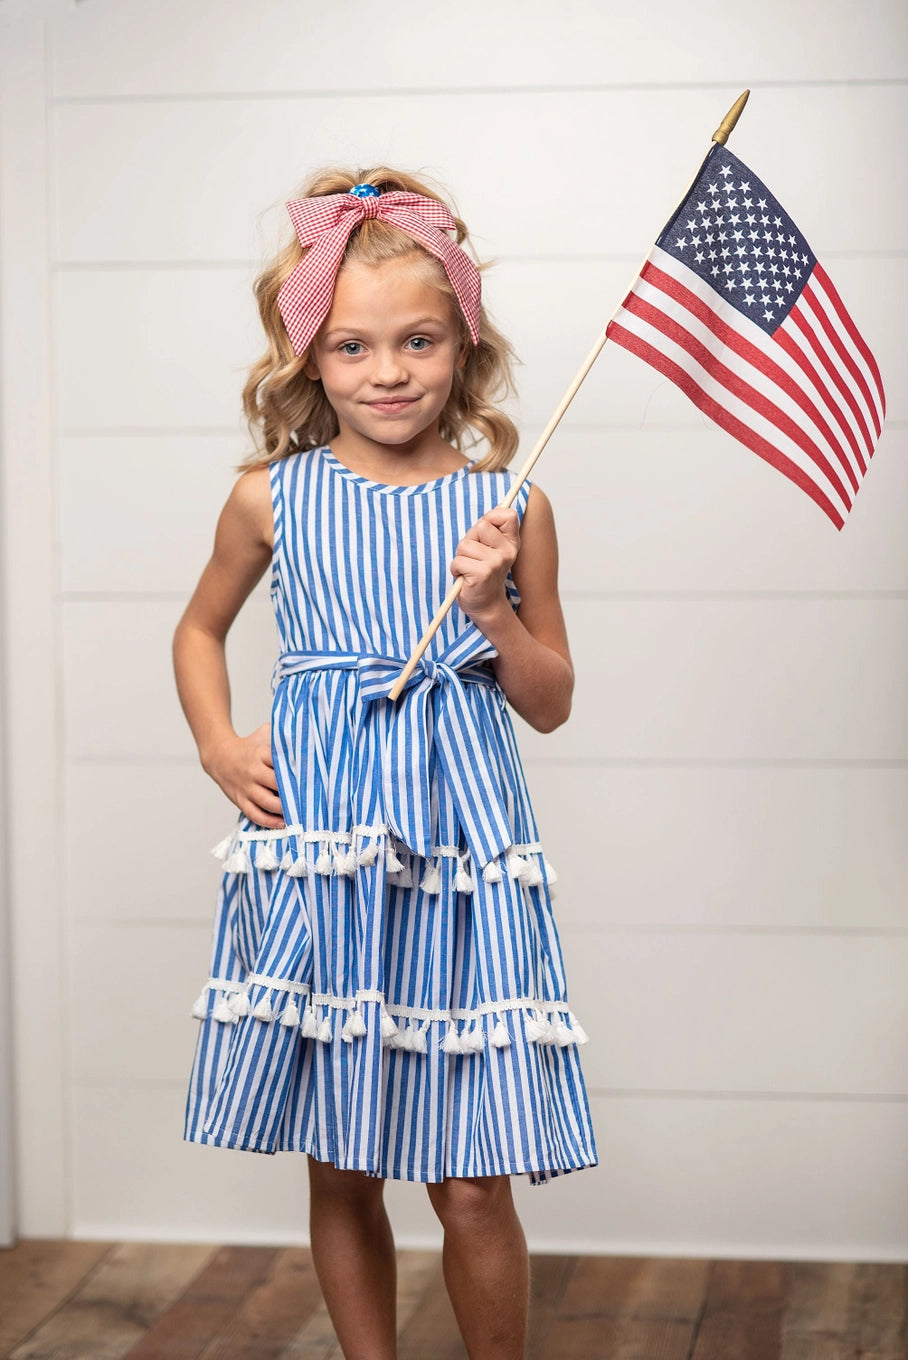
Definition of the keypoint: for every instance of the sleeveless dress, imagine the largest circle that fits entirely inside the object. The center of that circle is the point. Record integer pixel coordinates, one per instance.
(387, 990)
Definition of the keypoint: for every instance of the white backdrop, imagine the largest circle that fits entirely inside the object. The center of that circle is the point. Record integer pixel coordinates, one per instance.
(727, 806)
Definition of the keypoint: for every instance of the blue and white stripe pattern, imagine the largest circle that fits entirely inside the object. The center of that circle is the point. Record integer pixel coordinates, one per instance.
(387, 989)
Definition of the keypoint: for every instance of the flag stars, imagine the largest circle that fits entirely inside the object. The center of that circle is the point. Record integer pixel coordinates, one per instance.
(725, 171)
(680, 243)
(699, 257)
(768, 315)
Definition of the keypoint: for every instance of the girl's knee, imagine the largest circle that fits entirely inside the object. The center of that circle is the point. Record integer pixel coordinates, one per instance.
(469, 1202)
(327, 1180)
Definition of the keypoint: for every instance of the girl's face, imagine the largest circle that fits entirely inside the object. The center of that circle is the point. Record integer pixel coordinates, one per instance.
(386, 353)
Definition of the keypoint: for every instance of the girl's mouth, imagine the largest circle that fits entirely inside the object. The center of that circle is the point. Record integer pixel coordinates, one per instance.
(391, 404)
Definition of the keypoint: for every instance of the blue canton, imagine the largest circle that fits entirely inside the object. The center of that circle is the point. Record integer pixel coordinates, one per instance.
(734, 235)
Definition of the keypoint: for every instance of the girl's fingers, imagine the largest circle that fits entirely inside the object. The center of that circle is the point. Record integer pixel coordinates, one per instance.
(267, 800)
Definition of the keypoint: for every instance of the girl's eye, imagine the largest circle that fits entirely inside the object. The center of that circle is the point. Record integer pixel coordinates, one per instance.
(420, 342)
(351, 347)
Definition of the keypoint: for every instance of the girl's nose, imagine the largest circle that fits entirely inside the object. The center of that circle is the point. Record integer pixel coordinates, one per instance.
(388, 368)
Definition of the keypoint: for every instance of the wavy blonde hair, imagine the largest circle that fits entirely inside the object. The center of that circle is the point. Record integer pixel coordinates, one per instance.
(288, 412)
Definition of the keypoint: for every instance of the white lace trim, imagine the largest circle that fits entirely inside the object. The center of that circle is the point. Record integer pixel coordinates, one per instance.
(544, 1022)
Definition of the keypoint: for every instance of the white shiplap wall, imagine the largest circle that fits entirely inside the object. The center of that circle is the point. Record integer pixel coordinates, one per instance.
(727, 806)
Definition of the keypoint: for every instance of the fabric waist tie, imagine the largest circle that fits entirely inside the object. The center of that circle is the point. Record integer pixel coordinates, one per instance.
(457, 741)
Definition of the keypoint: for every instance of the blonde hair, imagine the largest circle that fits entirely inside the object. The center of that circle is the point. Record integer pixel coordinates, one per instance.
(288, 412)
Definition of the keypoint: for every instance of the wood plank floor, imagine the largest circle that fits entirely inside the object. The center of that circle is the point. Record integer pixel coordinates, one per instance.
(110, 1301)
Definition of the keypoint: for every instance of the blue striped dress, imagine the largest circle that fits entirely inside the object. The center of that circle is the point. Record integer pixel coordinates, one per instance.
(387, 990)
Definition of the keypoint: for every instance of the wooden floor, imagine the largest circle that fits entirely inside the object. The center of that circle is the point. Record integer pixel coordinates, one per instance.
(103, 1301)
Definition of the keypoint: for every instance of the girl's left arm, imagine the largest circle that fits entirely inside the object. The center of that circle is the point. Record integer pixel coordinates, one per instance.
(533, 665)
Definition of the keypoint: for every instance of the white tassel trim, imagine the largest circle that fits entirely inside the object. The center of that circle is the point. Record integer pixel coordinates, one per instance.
(239, 1004)
(223, 1014)
(265, 858)
(431, 880)
(500, 1038)
(550, 875)
(263, 1011)
(492, 872)
(200, 1006)
(345, 863)
(462, 879)
(323, 1033)
(368, 855)
(291, 1017)
(392, 863)
(323, 863)
(299, 868)
(389, 1029)
(517, 867)
(451, 1042)
(308, 1028)
(354, 1027)
(239, 862)
(473, 1040)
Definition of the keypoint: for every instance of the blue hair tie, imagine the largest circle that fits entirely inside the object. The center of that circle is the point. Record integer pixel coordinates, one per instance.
(364, 191)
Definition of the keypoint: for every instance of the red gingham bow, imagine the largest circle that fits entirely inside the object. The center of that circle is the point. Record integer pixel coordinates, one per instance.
(325, 224)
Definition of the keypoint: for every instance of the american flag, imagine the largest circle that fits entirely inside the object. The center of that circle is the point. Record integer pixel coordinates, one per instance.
(733, 306)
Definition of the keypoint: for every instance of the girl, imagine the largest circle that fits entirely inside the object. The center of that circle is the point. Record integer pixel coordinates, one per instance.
(387, 992)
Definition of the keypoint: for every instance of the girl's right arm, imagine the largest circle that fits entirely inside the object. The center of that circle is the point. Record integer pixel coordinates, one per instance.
(242, 766)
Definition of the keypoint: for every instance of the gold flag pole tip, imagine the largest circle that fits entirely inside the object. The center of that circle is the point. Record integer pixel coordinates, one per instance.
(727, 126)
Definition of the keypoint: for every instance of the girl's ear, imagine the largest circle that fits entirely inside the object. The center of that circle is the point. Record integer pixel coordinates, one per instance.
(310, 367)
(462, 357)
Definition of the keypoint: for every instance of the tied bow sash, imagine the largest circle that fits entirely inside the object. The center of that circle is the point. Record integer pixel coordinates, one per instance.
(435, 695)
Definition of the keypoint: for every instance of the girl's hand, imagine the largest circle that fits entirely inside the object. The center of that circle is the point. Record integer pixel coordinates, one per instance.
(484, 557)
(244, 769)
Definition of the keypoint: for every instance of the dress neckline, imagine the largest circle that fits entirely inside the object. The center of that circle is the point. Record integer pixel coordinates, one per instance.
(388, 488)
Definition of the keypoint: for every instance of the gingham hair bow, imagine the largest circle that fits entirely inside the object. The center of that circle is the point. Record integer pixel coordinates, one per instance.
(325, 224)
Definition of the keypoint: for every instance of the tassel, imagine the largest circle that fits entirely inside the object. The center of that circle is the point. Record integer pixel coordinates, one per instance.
(265, 858)
(388, 1028)
(500, 1037)
(323, 1033)
(398, 1040)
(451, 1042)
(534, 875)
(431, 880)
(535, 1030)
(299, 868)
(551, 876)
(222, 849)
(223, 1013)
(392, 863)
(462, 880)
(368, 855)
(563, 1035)
(345, 863)
(291, 1017)
(323, 863)
(238, 863)
(200, 1007)
(354, 1027)
(517, 867)
(579, 1033)
(415, 1039)
(239, 1004)
(286, 862)
(492, 872)
(263, 1010)
(473, 1040)
(309, 1029)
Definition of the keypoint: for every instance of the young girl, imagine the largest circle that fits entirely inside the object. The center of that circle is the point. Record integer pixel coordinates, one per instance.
(387, 992)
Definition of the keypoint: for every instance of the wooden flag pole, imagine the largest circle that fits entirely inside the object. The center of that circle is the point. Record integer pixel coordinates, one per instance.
(721, 136)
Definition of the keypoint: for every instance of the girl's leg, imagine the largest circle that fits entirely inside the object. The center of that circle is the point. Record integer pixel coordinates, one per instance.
(353, 1254)
(486, 1266)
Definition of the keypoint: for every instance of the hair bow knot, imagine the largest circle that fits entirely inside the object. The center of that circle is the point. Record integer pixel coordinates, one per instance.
(325, 224)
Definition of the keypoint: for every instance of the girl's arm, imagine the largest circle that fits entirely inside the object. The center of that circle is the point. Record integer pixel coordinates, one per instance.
(533, 665)
(242, 766)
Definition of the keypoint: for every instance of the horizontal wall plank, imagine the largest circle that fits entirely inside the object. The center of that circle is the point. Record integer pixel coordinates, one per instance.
(186, 336)
(684, 1177)
(207, 181)
(509, 44)
(146, 831)
(656, 679)
(811, 1014)
(139, 512)
(736, 679)
(635, 847)
(121, 699)
(679, 510)
(766, 849)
